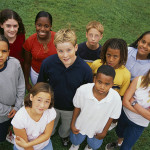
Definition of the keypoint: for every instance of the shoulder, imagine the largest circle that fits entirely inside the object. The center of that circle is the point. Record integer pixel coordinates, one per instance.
(131, 50)
(114, 95)
(32, 37)
(82, 44)
(124, 71)
(13, 61)
(21, 113)
(82, 63)
(51, 59)
(50, 114)
(85, 87)
(52, 34)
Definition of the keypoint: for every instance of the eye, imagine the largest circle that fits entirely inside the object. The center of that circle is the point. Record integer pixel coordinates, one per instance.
(68, 50)
(47, 102)
(115, 56)
(143, 41)
(15, 26)
(4, 51)
(38, 25)
(46, 26)
(108, 55)
(99, 82)
(60, 51)
(107, 83)
(8, 25)
(38, 100)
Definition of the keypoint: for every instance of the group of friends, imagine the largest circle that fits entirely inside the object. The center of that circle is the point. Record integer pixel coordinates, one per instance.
(88, 87)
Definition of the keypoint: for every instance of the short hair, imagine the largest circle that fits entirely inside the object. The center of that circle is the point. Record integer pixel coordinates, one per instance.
(10, 14)
(135, 43)
(65, 35)
(106, 70)
(115, 43)
(37, 88)
(4, 39)
(95, 24)
(44, 14)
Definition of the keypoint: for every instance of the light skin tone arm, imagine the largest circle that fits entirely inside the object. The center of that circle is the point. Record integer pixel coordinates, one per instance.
(76, 113)
(12, 113)
(142, 111)
(22, 133)
(101, 136)
(128, 96)
(27, 66)
(42, 138)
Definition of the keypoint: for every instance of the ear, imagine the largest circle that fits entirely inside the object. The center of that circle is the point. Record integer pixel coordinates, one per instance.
(31, 97)
(86, 34)
(101, 36)
(76, 47)
(1, 25)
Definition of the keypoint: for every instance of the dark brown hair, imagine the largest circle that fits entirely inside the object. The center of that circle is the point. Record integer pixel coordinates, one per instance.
(10, 14)
(115, 43)
(37, 88)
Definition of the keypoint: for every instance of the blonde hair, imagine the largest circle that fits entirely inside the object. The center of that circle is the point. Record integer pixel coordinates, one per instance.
(146, 80)
(65, 35)
(95, 24)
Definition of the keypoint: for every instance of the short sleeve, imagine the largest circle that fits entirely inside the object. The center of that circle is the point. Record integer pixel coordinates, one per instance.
(117, 107)
(19, 119)
(77, 101)
(51, 114)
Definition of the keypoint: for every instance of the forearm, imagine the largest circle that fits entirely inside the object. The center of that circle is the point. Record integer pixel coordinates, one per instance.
(76, 113)
(107, 125)
(127, 104)
(142, 111)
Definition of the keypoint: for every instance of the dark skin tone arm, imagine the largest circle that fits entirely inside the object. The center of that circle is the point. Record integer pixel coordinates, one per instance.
(27, 66)
(76, 113)
(101, 136)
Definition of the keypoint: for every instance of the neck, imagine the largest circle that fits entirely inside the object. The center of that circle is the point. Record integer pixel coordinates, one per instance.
(141, 57)
(92, 47)
(11, 39)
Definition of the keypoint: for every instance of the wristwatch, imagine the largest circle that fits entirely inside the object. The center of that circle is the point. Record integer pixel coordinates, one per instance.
(134, 102)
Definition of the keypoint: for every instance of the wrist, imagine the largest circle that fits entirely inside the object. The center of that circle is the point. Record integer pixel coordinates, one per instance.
(134, 103)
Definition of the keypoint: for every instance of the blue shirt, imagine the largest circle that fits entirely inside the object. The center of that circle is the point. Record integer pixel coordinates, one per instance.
(136, 67)
(87, 54)
(64, 81)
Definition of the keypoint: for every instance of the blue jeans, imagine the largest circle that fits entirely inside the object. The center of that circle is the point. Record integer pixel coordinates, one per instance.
(77, 139)
(47, 147)
(129, 131)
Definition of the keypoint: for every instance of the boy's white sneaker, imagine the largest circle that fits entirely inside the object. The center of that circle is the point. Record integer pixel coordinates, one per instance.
(87, 147)
(74, 147)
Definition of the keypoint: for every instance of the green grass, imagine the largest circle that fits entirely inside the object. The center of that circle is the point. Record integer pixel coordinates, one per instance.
(125, 19)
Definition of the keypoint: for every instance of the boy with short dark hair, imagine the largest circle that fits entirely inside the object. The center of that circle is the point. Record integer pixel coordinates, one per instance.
(65, 72)
(96, 105)
(90, 50)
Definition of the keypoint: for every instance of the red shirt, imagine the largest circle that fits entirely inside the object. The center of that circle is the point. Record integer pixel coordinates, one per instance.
(33, 46)
(16, 47)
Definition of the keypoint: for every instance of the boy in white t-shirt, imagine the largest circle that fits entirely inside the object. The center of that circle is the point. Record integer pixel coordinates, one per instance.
(96, 105)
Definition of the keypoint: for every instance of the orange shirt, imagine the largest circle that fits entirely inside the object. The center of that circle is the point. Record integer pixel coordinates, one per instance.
(33, 46)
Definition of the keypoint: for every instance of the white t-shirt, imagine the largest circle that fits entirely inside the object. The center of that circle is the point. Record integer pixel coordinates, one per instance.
(143, 98)
(95, 114)
(22, 120)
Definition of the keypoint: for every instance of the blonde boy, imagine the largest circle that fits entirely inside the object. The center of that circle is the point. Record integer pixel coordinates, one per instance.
(65, 72)
(90, 50)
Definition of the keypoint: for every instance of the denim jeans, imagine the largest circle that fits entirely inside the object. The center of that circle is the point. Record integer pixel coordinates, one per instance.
(47, 147)
(77, 139)
(129, 131)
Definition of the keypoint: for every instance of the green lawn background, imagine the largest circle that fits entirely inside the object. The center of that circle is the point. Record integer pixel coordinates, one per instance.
(125, 19)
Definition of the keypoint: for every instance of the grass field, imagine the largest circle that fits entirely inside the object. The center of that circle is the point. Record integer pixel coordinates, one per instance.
(125, 19)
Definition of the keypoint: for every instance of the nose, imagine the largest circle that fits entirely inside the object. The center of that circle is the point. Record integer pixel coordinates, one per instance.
(42, 105)
(102, 86)
(65, 54)
(12, 28)
(111, 59)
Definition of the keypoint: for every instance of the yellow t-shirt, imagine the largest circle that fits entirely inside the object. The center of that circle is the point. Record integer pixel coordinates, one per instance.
(122, 78)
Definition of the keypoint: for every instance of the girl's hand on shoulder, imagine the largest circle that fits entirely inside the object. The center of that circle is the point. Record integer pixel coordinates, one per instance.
(100, 136)
(74, 129)
(21, 142)
(12, 113)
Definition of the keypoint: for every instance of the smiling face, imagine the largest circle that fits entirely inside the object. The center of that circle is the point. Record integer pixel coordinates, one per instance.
(66, 53)
(40, 102)
(10, 27)
(113, 57)
(102, 84)
(93, 37)
(4, 53)
(144, 46)
(43, 27)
